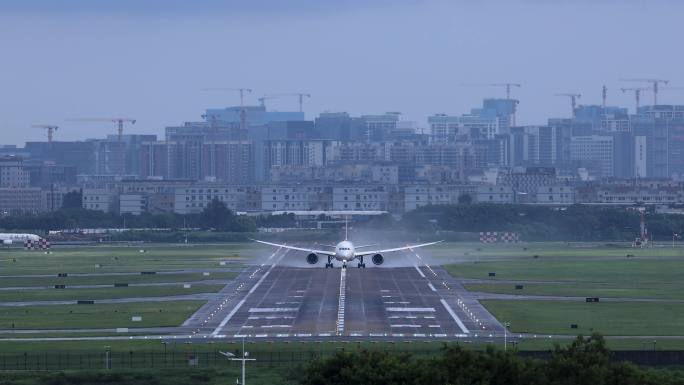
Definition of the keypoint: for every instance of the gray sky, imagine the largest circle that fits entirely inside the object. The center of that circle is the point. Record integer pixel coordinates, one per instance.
(150, 59)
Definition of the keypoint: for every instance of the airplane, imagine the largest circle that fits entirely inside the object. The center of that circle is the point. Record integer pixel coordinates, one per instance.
(9, 238)
(345, 251)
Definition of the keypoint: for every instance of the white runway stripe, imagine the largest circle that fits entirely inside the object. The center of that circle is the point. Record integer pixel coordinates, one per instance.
(454, 316)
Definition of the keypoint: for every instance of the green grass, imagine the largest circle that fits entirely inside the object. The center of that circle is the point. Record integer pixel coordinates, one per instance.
(100, 259)
(168, 376)
(464, 251)
(97, 315)
(112, 279)
(607, 318)
(104, 293)
(626, 270)
(666, 290)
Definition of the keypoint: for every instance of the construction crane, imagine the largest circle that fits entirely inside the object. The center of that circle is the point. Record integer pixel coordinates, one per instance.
(263, 99)
(637, 95)
(573, 100)
(51, 128)
(654, 82)
(242, 91)
(300, 95)
(506, 85)
(119, 122)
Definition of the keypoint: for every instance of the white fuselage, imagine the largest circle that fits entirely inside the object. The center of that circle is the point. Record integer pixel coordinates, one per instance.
(344, 251)
(9, 238)
(18, 237)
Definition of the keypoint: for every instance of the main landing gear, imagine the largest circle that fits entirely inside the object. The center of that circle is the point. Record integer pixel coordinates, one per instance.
(329, 264)
(361, 264)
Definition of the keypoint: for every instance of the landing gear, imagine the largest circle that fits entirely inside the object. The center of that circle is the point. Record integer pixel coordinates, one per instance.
(344, 265)
(361, 264)
(329, 264)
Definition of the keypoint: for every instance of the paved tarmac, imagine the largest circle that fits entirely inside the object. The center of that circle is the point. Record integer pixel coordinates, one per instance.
(290, 300)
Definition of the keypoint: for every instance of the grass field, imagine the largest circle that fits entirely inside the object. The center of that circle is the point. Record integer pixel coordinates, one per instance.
(104, 293)
(183, 263)
(586, 289)
(97, 315)
(112, 279)
(607, 318)
(104, 259)
(579, 270)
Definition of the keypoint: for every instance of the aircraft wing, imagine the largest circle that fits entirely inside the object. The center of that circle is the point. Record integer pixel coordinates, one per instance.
(322, 252)
(407, 247)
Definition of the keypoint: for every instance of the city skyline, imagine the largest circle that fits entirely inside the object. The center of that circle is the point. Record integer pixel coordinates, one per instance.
(107, 60)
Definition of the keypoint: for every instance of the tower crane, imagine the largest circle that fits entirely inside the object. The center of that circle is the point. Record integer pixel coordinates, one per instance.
(654, 82)
(242, 91)
(573, 100)
(119, 122)
(263, 99)
(299, 95)
(51, 128)
(506, 85)
(637, 95)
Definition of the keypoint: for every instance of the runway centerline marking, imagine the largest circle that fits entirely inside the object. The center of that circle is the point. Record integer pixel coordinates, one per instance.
(242, 301)
(432, 287)
(341, 301)
(419, 272)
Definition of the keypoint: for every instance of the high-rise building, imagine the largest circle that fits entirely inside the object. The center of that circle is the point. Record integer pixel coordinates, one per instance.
(12, 173)
(595, 152)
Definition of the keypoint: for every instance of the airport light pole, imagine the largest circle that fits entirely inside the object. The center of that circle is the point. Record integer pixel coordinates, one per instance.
(108, 357)
(244, 358)
(506, 325)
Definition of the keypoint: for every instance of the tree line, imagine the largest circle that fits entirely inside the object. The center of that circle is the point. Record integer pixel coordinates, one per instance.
(584, 362)
(572, 223)
(576, 222)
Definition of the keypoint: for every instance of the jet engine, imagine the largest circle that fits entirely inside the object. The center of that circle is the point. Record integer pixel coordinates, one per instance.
(312, 259)
(6, 241)
(378, 259)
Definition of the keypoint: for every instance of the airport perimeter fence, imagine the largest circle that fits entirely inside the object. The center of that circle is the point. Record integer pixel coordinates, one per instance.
(56, 361)
(51, 361)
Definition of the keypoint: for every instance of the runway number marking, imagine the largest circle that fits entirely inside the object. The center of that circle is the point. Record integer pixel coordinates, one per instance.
(341, 301)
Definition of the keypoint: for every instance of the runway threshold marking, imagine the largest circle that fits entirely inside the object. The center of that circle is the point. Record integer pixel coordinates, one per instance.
(341, 301)
(242, 301)
(454, 316)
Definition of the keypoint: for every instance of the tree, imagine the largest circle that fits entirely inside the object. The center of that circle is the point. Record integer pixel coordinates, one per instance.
(217, 216)
(465, 199)
(72, 200)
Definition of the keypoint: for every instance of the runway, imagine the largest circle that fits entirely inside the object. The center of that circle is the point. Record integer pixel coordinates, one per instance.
(290, 301)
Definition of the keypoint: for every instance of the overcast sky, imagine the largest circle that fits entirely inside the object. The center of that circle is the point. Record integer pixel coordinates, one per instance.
(150, 59)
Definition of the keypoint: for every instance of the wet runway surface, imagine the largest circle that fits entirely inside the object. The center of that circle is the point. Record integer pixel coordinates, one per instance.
(382, 302)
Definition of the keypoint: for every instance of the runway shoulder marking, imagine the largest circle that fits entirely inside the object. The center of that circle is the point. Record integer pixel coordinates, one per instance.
(242, 301)
(454, 316)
